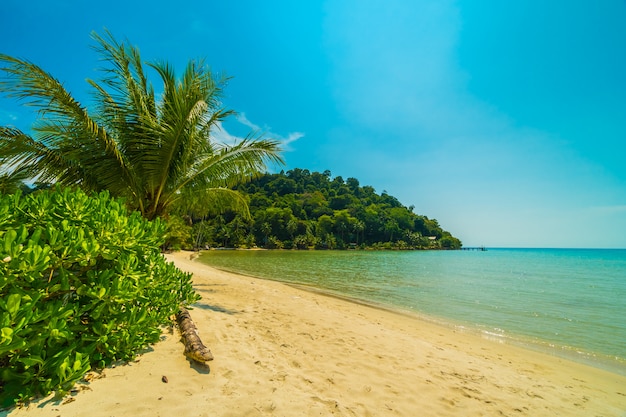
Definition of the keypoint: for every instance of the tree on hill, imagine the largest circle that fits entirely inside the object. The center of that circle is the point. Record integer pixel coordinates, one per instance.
(153, 149)
(301, 209)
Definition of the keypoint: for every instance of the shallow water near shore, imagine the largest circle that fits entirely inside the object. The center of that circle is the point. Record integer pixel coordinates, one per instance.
(569, 302)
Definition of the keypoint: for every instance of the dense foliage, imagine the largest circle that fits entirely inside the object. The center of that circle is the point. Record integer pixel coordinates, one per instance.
(82, 284)
(301, 209)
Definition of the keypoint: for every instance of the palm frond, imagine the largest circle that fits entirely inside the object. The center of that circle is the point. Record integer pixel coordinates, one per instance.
(63, 130)
(232, 164)
(211, 201)
(29, 83)
(134, 145)
(11, 181)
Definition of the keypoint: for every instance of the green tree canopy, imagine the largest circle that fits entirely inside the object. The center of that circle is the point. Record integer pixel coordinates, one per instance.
(302, 209)
(153, 149)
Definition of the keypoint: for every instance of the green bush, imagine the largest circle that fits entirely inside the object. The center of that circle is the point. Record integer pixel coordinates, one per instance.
(82, 284)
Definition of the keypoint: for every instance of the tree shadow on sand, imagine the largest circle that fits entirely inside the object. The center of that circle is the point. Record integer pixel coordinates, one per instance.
(216, 308)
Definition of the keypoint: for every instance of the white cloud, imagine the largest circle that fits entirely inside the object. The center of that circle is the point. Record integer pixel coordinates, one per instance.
(292, 137)
(241, 118)
(221, 135)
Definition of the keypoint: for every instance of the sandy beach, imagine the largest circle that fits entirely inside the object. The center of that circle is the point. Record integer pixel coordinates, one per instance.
(283, 351)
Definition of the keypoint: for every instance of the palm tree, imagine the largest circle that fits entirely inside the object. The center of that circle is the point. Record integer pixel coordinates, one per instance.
(152, 150)
(11, 181)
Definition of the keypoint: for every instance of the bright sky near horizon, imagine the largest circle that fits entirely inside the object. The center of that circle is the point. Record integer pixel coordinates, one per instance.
(505, 121)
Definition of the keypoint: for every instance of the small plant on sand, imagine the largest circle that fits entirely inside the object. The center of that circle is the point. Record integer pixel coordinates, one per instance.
(82, 284)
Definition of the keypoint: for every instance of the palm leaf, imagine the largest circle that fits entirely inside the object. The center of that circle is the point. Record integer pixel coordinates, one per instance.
(150, 151)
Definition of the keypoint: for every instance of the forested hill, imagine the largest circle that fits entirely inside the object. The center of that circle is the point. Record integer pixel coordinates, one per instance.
(301, 209)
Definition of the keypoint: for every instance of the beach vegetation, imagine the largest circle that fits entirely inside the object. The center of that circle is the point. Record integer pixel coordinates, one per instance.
(83, 284)
(83, 281)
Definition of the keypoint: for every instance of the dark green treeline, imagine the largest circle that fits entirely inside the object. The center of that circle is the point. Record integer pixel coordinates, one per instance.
(299, 209)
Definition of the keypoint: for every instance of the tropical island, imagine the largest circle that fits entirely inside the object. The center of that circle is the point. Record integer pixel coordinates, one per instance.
(299, 209)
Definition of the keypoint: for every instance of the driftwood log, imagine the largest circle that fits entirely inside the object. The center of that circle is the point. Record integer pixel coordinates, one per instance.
(194, 348)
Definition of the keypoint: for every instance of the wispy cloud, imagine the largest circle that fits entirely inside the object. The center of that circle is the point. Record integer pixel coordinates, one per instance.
(7, 117)
(266, 131)
(241, 118)
(292, 137)
(221, 135)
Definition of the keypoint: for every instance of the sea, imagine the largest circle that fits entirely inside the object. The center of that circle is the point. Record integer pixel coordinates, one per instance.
(566, 302)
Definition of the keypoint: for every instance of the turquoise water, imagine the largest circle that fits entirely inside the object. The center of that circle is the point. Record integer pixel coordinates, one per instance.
(571, 302)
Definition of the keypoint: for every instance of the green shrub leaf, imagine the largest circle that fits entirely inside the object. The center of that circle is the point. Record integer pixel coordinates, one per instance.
(83, 284)
(13, 304)
(6, 335)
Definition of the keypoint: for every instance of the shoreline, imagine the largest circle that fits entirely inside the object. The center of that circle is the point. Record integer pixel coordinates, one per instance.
(282, 350)
(591, 358)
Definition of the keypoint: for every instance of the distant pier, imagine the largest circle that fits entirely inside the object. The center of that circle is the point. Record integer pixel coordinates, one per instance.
(480, 248)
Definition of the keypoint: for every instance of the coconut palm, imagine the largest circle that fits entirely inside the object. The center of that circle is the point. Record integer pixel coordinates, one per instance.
(11, 181)
(153, 149)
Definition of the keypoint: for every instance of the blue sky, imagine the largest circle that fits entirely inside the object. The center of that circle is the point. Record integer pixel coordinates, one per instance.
(505, 121)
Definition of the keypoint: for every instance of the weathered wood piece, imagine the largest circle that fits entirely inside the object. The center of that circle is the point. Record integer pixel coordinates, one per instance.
(194, 348)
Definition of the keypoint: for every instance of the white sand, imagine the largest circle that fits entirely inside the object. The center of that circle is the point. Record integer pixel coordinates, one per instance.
(281, 351)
